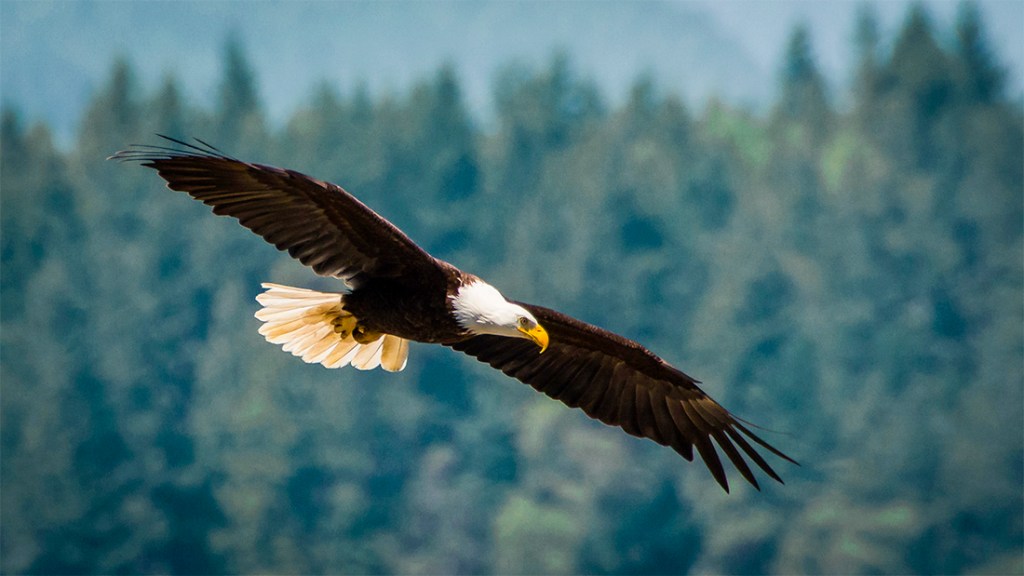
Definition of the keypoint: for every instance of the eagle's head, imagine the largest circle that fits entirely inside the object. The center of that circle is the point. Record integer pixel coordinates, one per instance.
(480, 309)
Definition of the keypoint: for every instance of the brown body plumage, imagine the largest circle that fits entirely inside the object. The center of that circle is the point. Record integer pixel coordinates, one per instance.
(398, 292)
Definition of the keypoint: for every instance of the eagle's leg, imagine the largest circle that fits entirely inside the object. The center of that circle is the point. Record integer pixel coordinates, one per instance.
(344, 325)
(363, 335)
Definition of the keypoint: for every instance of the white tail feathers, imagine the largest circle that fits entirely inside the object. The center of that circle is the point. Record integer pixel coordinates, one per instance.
(316, 327)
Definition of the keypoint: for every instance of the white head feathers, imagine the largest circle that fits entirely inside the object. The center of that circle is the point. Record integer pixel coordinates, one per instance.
(481, 309)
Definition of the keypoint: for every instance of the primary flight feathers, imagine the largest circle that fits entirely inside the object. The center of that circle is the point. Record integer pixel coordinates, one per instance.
(396, 292)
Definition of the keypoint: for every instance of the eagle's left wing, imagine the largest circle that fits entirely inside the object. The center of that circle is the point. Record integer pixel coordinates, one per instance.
(316, 222)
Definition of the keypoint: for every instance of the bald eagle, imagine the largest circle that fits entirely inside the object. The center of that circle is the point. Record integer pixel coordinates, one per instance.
(396, 293)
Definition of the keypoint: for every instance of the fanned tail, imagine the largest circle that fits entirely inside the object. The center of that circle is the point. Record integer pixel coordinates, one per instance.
(316, 327)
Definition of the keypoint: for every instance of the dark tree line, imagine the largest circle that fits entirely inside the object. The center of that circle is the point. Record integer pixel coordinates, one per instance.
(850, 276)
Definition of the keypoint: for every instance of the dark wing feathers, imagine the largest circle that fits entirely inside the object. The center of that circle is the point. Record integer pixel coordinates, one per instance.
(318, 223)
(621, 383)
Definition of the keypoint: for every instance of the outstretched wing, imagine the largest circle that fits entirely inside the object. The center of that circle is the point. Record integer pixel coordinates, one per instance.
(318, 223)
(621, 383)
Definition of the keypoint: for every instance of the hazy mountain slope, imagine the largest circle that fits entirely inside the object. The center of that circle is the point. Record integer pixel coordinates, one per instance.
(52, 54)
(55, 53)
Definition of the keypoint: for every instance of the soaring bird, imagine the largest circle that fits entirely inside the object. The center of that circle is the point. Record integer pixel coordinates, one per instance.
(395, 292)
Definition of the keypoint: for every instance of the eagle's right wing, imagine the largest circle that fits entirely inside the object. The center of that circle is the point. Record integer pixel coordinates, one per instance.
(621, 383)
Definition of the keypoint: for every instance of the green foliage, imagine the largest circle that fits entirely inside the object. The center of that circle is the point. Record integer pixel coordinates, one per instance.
(803, 99)
(238, 117)
(850, 279)
(980, 76)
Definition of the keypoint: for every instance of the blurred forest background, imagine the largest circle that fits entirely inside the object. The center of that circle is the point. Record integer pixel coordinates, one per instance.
(848, 276)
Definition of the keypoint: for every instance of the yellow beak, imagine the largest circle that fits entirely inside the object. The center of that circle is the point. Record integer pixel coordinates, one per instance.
(539, 336)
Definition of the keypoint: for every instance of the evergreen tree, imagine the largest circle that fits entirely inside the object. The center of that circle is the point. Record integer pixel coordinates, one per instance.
(169, 111)
(866, 83)
(918, 89)
(114, 114)
(449, 125)
(541, 117)
(803, 102)
(39, 214)
(541, 113)
(315, 131)
(799, 128)
(15, 253)
(239, 116)
(980, 78)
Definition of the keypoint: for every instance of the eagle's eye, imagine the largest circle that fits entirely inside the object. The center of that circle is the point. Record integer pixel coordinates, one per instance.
(525, 323)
